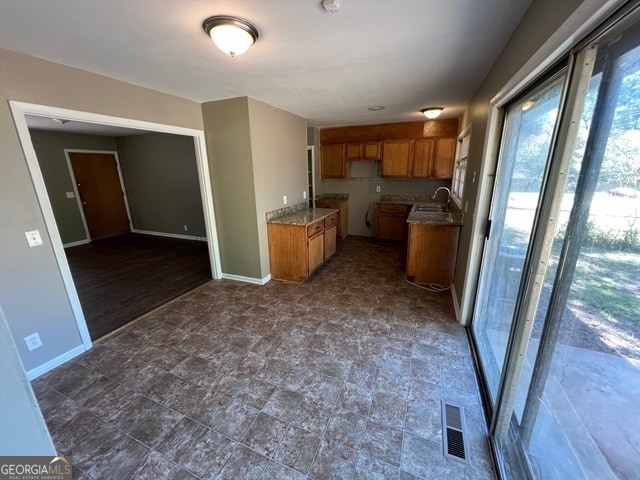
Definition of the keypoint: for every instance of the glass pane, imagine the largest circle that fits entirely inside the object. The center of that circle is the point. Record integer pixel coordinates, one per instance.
(527, 138)
(552, 261)
(581, 415)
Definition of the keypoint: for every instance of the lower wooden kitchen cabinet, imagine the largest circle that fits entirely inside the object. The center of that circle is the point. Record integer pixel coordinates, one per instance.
(296, 251)
(392, 222)
(343, 215)
(431, 253)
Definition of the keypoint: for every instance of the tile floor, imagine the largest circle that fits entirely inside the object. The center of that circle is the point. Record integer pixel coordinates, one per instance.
(341, 377)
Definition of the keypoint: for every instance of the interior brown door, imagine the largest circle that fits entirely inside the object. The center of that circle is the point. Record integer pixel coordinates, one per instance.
(101, 194)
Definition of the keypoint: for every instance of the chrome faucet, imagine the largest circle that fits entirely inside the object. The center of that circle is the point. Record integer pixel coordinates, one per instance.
(448, 196)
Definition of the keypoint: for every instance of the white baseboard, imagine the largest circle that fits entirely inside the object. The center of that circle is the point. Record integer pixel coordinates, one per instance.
(240, 278)
(53, 363)
(75, 244)
(170, 235)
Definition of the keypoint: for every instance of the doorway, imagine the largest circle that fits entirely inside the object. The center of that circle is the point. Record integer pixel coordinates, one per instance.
(101, 195)
(20, 110)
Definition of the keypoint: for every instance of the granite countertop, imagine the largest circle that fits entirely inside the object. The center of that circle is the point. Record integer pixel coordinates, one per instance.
(333, 197)
(453, 217)
(304, 217)
(406, 199)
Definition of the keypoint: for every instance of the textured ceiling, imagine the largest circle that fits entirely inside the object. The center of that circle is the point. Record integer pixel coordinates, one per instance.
(401, 54)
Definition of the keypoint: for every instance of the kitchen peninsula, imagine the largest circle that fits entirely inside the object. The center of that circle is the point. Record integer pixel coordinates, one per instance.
(301, 239)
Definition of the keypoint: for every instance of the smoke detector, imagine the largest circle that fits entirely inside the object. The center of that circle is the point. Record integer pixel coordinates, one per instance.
(331, 6)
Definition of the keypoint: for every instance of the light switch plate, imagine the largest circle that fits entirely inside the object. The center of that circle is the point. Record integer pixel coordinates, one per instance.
(71, 195)
(33, 238)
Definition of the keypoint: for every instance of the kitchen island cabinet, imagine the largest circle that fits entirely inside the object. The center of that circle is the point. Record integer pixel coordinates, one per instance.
(339, 201)
(300, 243)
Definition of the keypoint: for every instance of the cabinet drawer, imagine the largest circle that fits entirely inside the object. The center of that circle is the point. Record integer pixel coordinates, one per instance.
(392, 209)
(315, 228)
(331, 221)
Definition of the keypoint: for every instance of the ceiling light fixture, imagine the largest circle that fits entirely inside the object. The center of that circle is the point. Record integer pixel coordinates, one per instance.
(232, 35)
(375, 108)
(432, 112)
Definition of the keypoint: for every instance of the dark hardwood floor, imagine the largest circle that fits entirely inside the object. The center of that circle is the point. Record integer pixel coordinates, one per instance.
(121, 278)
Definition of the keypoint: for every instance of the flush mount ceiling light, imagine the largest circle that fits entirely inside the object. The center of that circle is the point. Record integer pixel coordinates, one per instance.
(432, 112)
(376, 108)
(232, 35)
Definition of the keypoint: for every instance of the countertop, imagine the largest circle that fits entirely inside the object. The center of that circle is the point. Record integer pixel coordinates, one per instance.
(332, 197)
(454, 217)
(304, 217)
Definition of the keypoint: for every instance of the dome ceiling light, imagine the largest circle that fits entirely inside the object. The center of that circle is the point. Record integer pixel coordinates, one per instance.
(232, 35)
(432, 112)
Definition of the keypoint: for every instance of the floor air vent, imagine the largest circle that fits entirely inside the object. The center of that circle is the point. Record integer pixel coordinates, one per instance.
(453, 432)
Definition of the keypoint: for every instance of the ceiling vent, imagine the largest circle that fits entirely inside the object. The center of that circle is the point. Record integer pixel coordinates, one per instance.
(331, 6)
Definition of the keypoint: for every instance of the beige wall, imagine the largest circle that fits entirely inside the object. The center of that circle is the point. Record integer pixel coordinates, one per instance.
(161, 180)
(257, 154)
(279, 147)
(49, 147)
(32, 293)
(229, 150)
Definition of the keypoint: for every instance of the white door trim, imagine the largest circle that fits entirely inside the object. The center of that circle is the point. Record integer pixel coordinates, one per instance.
(20, 109)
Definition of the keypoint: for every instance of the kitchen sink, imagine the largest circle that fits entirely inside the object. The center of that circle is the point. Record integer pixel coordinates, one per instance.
(429, 208)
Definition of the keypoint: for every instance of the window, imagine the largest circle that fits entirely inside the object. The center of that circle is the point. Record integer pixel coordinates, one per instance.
(460, 166)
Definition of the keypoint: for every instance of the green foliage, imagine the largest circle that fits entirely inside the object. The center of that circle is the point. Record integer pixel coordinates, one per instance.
(597, 237)
(604, 283)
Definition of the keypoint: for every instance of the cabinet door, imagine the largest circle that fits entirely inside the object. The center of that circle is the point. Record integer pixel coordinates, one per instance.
(397, 156)
(354, 151)
(316, 251)
(444, 158)
(330, 242)
(391, 227)
(332, 161)
(372, 150)
(423, 157)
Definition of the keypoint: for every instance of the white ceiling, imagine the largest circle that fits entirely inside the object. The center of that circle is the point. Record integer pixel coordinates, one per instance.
(402, 54)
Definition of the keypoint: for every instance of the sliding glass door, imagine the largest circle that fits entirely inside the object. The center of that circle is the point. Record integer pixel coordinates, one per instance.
(557, 318)
(528, 132)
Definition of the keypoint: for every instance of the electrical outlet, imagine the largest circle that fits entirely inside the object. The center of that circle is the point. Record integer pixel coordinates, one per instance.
(377, 188)
(186, 228)
(71, 195)
(33, 341)
(284, 199)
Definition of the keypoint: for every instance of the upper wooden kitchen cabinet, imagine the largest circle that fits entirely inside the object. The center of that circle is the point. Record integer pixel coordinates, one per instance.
(364, 151)
(433, 158)
(444, 158)
(397, 158)
(332, 161)
(407, 149)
